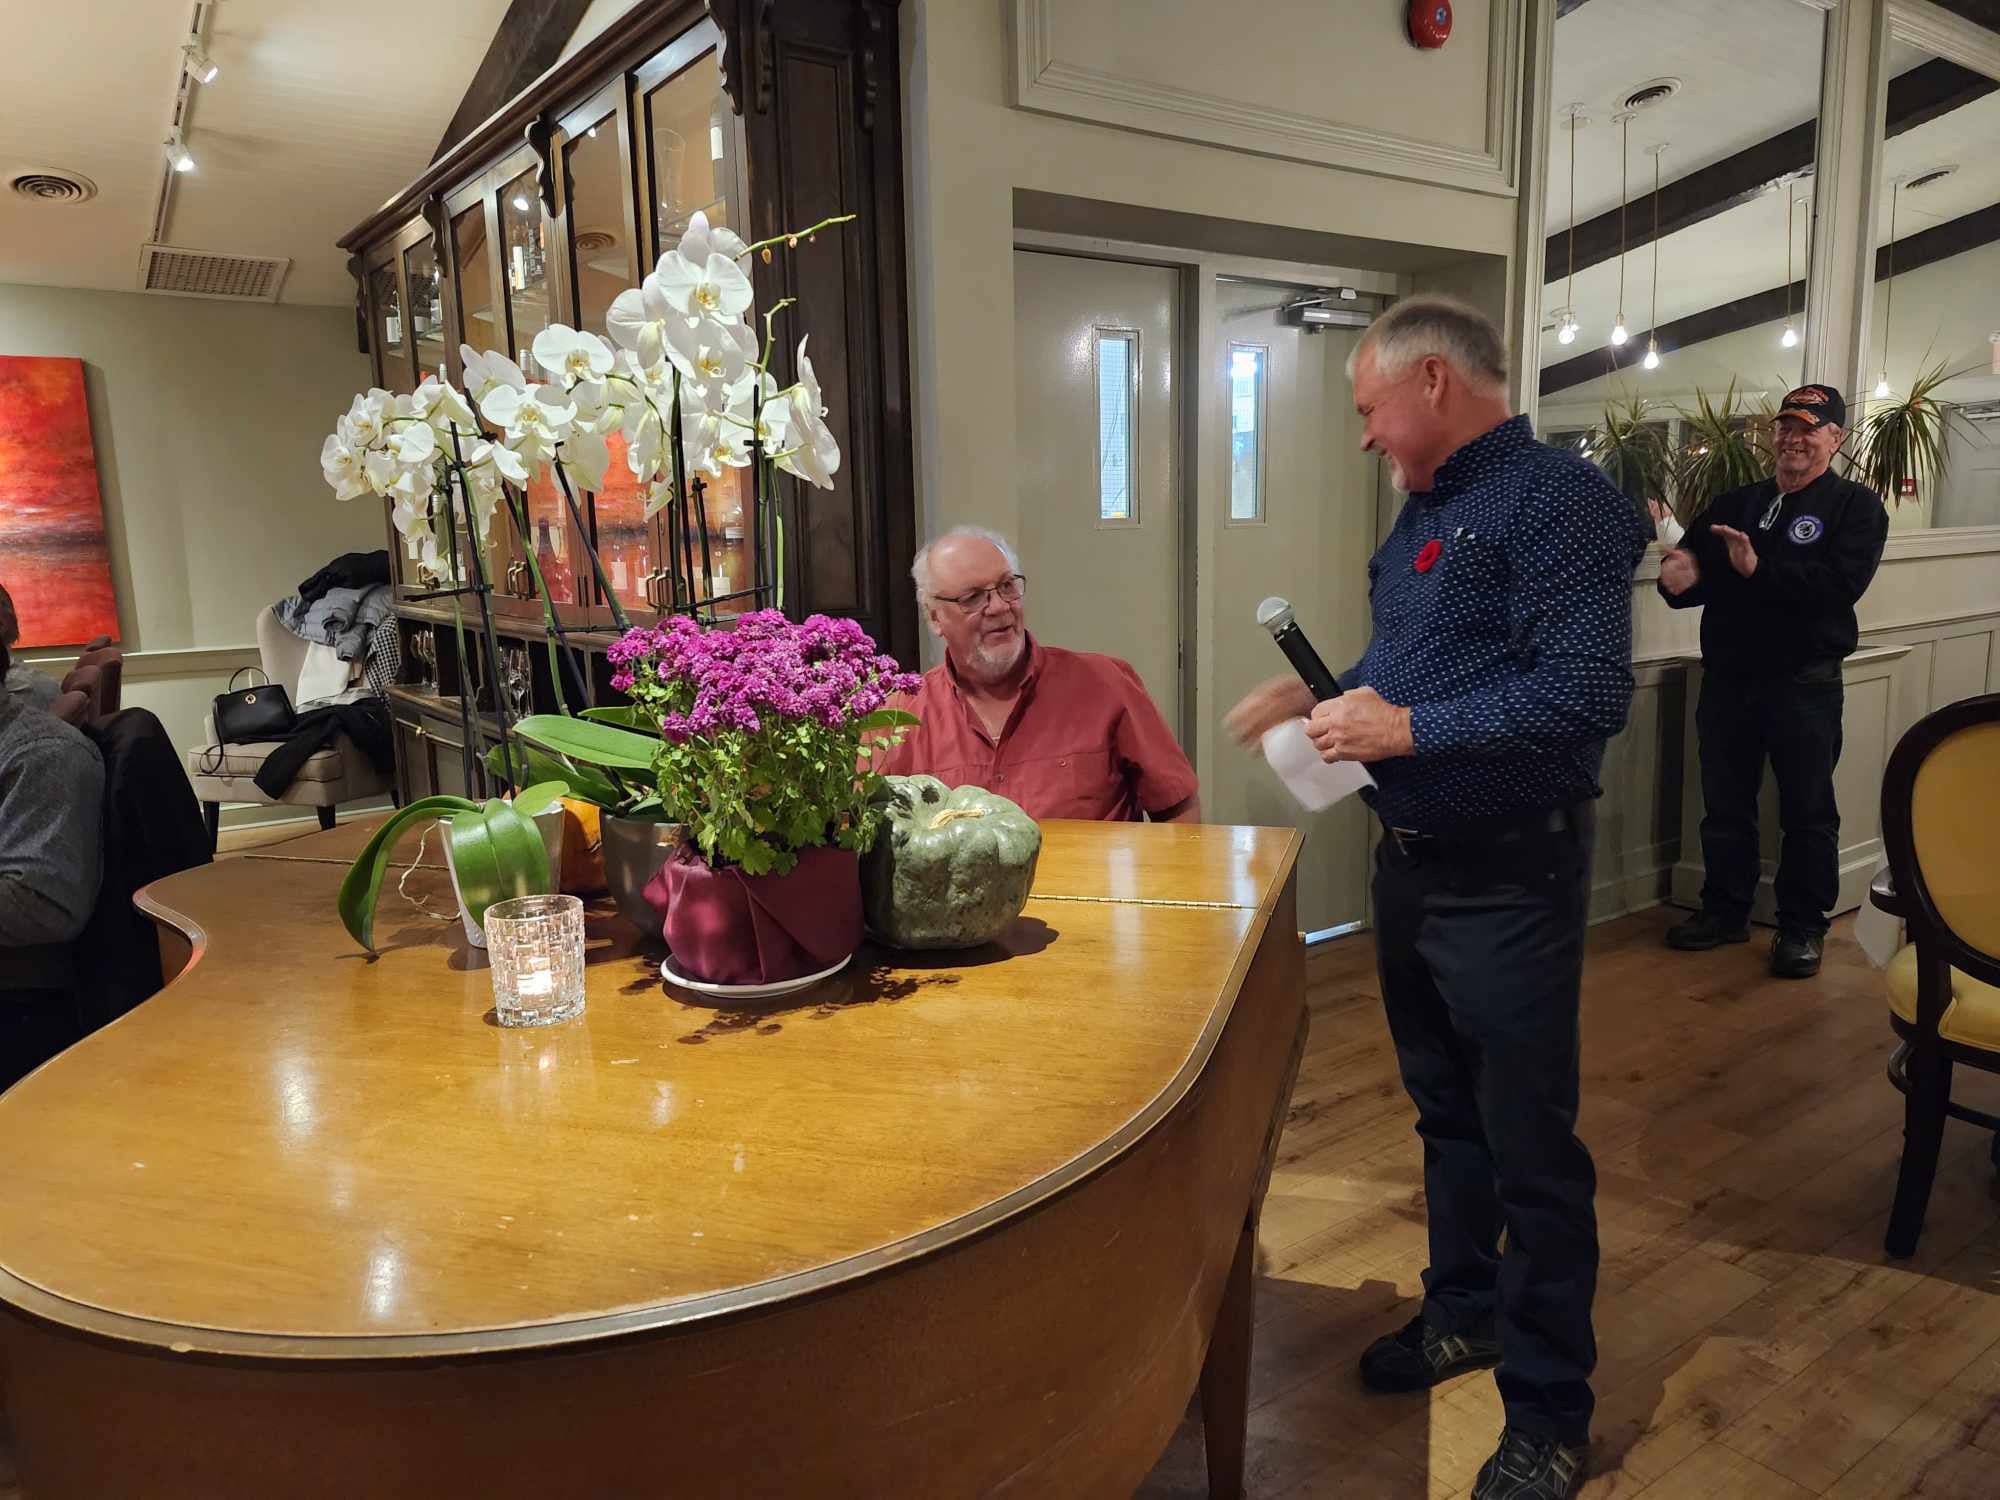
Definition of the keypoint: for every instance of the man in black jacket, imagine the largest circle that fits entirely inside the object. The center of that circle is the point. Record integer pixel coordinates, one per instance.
(1779, 565)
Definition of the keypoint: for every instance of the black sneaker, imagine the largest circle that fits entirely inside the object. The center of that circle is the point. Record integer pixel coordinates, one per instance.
(1705, 930)
(1528, 1467)
(1419, 1355)
(1796, 955)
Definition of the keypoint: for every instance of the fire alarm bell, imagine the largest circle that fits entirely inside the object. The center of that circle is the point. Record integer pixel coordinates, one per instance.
(1430, 22)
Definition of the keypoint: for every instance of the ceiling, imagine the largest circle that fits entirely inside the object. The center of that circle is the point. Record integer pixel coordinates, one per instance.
(1750, 70)
(321, 113)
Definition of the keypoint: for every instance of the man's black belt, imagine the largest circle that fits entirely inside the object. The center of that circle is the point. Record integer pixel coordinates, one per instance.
(1485, 833)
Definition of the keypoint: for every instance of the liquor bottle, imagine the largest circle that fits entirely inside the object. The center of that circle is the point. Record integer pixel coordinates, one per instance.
(555, 568)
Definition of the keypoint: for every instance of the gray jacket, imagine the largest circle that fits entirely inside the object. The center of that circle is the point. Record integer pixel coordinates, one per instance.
(51, 806)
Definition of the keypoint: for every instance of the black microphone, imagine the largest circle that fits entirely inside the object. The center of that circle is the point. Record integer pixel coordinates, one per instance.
(1275, 615)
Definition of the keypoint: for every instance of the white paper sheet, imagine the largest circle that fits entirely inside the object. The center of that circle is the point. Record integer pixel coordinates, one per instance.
(1317, 784)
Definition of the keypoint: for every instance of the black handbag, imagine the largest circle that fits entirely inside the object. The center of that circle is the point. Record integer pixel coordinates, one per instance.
(261, 711)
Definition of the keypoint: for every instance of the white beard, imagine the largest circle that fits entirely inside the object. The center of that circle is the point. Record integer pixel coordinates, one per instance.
(986, 665)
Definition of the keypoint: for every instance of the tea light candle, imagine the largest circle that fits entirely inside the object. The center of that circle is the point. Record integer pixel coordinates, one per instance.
(535, 944)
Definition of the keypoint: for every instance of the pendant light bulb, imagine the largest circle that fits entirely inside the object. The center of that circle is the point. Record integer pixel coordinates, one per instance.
(1652, 359)
(1790, 337)
(1566, 334)
(1882, 388)
(1618, 331)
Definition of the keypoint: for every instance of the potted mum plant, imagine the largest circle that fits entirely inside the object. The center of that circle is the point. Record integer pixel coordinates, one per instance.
(768, 733)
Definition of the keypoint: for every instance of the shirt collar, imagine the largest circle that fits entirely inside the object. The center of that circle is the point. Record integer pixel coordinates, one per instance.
(1470, 458)
(1036, 658)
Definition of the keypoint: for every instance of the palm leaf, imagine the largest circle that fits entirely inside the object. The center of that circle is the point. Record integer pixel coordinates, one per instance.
(1723, 447)
(1906, 444)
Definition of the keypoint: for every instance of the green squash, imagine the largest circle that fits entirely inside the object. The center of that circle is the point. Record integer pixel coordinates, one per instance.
(950, 868)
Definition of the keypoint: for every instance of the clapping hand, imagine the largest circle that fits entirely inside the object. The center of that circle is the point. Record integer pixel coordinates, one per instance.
(1742, 556)
(1679, 572)
(1665, 526)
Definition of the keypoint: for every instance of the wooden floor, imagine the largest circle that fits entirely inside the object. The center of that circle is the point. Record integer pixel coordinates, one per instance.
(1754, 1342)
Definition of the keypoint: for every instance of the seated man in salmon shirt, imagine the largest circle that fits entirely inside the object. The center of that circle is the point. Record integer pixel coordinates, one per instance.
(1065, 734)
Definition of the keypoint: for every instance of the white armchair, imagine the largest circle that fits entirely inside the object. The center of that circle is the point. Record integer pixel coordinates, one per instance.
(224, 773)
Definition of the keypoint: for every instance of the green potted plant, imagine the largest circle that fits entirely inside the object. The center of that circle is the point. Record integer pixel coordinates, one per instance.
(1628, 446)
(1724, 445)
(494, 850)
(1903, 446)
(768, 733)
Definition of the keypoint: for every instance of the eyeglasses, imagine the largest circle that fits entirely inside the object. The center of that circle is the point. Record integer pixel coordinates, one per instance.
(972, 601)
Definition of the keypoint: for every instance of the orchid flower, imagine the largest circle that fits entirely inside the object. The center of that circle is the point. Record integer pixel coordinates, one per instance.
(715, 288)
(484, 373)
(638, 319)
(571, 355)
(701, 240)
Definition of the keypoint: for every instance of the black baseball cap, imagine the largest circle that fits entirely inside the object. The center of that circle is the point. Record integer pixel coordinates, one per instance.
(1815, 405)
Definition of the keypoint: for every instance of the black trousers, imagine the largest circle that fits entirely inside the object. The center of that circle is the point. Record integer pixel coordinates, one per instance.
(1795, 722)
(1480, 952)
(34, 1026)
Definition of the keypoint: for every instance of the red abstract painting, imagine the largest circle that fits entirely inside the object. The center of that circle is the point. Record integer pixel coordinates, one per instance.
(53, 557)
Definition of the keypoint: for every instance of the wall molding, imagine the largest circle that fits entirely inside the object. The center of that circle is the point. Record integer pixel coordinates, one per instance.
(147, 666)
(1948, 541)
(1049, 85)
(1946, 35)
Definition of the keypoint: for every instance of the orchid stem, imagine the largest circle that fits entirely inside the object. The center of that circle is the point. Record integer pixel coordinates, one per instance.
(796, 235)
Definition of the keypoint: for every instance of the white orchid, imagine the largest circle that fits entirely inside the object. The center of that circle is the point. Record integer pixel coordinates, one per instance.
(715, 288)
(414, 442)
(708, 353)
(645, 439)
(638, 319)
(485, 373)
(363, 425)
(439, 404)
(585, 456)
(572, 355)
(769, 417)
(814, 454)
(710, 443)
(701, 240)
(341, 463)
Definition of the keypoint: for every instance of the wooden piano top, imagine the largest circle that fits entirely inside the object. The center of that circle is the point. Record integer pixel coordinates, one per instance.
(293, 1150)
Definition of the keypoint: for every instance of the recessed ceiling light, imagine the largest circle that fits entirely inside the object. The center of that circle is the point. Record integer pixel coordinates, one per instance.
(521, 202)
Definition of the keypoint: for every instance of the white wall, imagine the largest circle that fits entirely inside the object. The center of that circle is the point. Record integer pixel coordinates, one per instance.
(207, 419)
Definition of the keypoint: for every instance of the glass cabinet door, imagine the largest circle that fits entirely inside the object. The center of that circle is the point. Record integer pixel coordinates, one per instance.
(524, 242)
(471, 281)
(385, 298)
(427, 330)
(604, 262)
(690, 150)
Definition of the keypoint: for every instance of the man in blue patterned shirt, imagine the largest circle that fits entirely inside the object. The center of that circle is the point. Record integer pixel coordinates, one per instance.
(1499, 665)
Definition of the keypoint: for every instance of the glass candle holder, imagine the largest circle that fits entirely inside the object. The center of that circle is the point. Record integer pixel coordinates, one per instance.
(535, 945)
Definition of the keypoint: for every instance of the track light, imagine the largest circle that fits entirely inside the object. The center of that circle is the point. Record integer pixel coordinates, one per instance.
(178, 156)
(200, 66)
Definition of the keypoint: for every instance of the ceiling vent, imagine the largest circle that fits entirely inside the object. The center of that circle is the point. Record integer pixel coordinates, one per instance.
(1925, 179)
(50, 185)
(590, 241)
(210, 273)
(1651, 92)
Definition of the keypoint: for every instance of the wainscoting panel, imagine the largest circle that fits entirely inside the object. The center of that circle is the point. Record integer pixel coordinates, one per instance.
(1638, 820)
(1961, 668)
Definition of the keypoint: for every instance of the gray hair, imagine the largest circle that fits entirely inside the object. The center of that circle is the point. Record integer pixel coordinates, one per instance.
(1419, 327)
(920, 569)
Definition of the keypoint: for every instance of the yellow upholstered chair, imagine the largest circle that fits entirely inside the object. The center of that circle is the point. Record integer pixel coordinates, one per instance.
(1941, 829)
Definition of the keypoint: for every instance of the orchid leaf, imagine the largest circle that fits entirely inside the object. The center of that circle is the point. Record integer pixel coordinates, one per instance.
(539, 797)
(593, 744)
(584, 783)
(496, 853)
(362, 885)
(625, 716)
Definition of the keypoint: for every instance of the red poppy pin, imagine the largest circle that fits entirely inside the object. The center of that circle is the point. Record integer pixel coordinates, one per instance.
(1428, 556)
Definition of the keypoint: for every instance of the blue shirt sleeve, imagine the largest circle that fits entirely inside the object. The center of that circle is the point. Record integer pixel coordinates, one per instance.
(1571, 550)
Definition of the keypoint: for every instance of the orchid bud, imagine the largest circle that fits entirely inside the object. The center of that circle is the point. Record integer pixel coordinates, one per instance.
(767, 255)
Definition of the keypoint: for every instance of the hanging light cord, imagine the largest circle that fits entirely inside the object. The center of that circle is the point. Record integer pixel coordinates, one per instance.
(1569, 292)
(1653, 327)
(1624, 163)
(1889, 298)
(1788, 254)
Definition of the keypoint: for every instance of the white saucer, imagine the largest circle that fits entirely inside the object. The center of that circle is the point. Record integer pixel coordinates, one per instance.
(674, 976)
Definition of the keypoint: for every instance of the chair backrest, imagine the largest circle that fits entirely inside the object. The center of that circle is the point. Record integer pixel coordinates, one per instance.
(90, 682)
(97, 643)
(110, 664)
(283, 653)
(71, 708)
(1941, 830)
